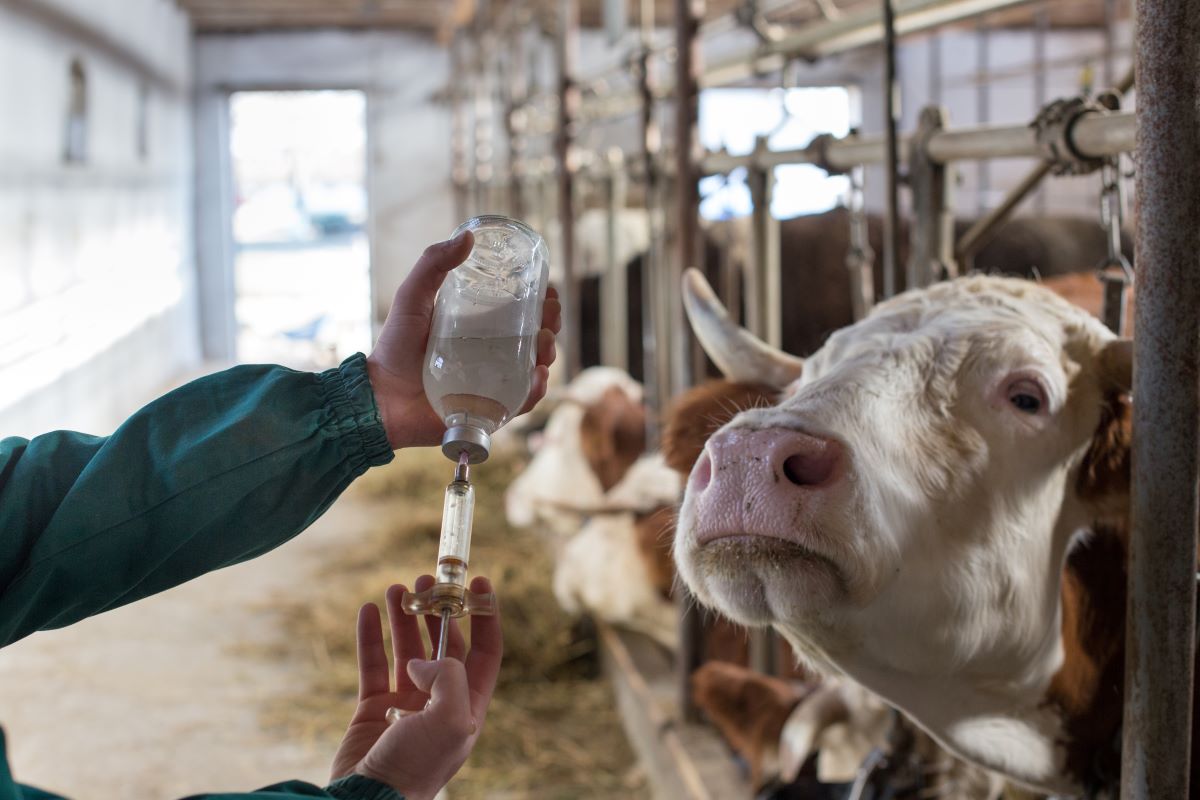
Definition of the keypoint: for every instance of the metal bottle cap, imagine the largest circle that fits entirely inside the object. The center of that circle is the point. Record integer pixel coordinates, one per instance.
(468, 439)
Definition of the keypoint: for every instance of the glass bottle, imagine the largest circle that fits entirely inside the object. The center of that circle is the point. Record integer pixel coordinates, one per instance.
(483, 342)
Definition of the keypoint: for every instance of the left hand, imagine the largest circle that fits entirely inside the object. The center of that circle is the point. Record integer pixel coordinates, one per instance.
(396, 366)
(421, 752)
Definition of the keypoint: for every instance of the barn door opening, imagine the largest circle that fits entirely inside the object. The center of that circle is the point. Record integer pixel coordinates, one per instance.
(302, 263)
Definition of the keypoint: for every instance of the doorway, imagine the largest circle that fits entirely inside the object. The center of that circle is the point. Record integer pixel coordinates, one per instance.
(302, 255)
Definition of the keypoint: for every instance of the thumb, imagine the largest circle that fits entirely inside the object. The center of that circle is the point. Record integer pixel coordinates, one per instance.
(415, 295)
(445, 681)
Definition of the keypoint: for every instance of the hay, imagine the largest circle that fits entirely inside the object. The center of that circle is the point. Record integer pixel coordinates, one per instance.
(553, 729)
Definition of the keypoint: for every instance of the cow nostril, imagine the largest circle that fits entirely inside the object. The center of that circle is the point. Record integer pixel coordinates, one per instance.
(811, 468)
(702, 472)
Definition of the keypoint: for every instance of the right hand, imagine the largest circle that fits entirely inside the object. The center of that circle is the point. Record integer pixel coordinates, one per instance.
(419, 754)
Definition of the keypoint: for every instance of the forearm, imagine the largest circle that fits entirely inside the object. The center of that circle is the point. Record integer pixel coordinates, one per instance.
(216, 472)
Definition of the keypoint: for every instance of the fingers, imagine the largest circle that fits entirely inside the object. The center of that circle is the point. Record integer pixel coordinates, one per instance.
(552, 311)
(537, 388)
(487, 651)
(446, 683)
(546, 350)
(372, 658)
(406, 637)
(455, 646)
(415, 295)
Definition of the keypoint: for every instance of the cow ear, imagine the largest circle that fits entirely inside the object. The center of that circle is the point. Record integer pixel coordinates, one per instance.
(699, 412)
(1104, 476)
(1116, 364)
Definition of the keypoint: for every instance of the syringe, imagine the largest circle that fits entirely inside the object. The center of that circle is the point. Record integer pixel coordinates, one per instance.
(449, 596)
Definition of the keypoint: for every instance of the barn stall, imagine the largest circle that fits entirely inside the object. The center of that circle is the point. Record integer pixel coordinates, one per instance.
(624, 132)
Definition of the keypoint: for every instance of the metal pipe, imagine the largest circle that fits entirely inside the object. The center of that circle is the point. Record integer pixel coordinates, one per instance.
(568, 108)
(688, 14)
(982, 110)
(849, 32)
(615, 343)
(1094, 135)
(1162, 558)
(985, 228)
(891, 218)
(1041, 26)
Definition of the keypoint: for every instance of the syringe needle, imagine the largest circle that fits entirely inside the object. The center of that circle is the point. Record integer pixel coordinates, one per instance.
(444, 634)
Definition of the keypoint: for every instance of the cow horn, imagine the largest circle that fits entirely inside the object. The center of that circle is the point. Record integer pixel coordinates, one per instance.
(739, 355)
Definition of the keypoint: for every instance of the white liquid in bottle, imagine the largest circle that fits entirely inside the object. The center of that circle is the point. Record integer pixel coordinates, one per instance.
(472, 380)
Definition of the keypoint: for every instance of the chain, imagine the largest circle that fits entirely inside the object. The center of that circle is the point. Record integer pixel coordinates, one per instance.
(1115, 271)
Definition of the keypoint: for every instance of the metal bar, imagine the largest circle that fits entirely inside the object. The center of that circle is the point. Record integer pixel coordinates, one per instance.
(460, 173)
(985, 228)
(615, 343)
(891, 218)
(1094, 135)
(657, 393)
(516, 92)
(1041, 26)
(849, 32)
(764, 309)
(983, 172)
(1162, 557)
(932, 185)
(568, 108)
(688, 14)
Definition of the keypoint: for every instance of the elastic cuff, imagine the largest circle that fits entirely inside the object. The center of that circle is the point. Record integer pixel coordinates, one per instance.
(360, 787)
(350, 398)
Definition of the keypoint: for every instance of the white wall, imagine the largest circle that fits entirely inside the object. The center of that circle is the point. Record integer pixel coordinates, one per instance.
(408, 142)
(96, 269)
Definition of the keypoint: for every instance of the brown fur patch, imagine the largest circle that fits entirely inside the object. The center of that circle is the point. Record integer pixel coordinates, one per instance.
(749, 709)
(699, 412)
(655, 534)
(613, 435)
(1104, 476)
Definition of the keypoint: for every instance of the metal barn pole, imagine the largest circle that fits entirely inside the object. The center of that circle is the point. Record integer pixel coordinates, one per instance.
(1041, 26)
(652, 351)
(459, 171)
(983, 103)
(931, 250)
(1162, 558)
(891, 220)
(516, 95)
(688, 14)
(568, 110)
(765, 281)
(688, 152)
(614, 344)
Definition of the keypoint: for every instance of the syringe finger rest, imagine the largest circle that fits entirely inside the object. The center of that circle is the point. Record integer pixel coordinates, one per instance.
(449, 598)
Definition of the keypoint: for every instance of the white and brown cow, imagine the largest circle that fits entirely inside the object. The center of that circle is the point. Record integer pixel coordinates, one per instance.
(933, 504)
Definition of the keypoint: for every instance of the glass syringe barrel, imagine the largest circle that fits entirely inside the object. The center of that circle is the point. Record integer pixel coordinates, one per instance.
(454, 547)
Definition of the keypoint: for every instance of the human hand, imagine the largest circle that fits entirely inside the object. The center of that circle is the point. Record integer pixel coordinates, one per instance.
(396, 366)
(419, 753)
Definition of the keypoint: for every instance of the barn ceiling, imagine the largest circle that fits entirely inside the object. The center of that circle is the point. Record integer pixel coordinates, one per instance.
(442, 16)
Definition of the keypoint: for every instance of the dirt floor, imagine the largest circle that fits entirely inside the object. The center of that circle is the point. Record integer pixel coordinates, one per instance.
(245, 677)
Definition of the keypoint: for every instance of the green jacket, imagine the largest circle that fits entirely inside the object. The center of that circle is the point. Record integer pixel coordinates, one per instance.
(216, 472)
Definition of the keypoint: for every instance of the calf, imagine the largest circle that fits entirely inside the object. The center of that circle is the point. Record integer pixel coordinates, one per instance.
(935, 505)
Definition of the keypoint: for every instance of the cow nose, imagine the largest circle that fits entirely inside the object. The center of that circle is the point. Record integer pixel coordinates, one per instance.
(801, 459)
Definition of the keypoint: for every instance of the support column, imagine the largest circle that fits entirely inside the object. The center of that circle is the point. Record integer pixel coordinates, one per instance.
(568, 112)
(1162, 558)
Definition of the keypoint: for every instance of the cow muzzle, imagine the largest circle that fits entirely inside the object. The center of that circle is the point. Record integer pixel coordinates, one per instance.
(771, 482)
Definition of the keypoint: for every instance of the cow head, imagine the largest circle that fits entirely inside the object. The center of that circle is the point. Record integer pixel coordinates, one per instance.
(902, 513)
(592, 438)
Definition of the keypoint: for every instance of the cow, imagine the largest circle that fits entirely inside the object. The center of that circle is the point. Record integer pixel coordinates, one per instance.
(935, 505)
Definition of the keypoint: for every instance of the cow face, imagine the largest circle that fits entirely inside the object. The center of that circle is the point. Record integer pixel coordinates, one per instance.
(913, 489)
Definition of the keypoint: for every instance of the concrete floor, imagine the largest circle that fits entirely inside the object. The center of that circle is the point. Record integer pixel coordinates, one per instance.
(160, 699)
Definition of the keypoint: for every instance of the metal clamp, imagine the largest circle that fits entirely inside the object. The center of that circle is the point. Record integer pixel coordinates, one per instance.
(1054, 124)
(819, 147)
(1115, 271)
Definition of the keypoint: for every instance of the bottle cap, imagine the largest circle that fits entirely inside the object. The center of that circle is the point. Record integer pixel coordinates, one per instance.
(468, 439)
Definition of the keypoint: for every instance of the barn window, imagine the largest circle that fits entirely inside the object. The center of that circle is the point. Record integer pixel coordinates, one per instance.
(733, 118)
(75, 145)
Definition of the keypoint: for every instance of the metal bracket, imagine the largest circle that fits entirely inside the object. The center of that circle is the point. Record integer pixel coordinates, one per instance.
(819, 147)
(1054, 124)
(932, 256)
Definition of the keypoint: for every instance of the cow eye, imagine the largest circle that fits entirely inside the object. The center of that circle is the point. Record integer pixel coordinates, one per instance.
(1026, 396)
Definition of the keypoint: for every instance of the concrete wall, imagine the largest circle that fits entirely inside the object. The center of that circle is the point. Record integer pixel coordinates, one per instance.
(408, 142)
(96, 269)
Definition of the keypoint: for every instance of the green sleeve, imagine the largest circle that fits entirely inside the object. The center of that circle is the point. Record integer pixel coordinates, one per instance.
(216, 472)
(352, 787)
